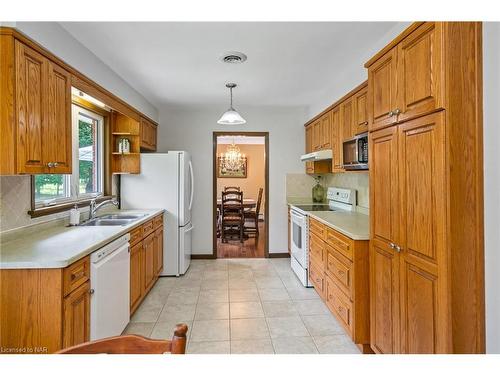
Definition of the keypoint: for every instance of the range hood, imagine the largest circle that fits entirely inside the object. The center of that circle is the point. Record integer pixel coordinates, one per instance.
(318, 155)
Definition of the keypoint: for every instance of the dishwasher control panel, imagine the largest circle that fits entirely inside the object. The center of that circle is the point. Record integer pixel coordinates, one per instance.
(103, 252)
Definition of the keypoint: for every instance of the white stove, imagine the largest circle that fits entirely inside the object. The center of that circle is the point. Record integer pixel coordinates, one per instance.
(339, 199)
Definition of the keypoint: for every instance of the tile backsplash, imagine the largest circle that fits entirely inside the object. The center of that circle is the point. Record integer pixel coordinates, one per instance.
(299, 185)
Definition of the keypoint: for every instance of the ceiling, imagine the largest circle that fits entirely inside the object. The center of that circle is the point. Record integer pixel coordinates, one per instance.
(177, 63)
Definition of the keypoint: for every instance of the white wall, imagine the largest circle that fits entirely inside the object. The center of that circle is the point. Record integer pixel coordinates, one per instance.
(191, 129)
(62, 44)
(343, 82)
(491, 91)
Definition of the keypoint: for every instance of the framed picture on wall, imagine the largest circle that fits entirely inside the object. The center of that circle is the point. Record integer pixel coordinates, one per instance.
(225, 171)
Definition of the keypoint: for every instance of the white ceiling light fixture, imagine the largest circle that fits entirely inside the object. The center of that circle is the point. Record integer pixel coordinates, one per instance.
(231, 116)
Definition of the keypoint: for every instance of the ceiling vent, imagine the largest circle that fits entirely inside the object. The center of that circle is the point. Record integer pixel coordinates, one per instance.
(233, 57)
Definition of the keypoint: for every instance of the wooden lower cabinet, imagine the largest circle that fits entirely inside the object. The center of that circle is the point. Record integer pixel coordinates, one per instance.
(44, 310)
(338, 270)
(146, 259)
(76, 326)
(136, 276)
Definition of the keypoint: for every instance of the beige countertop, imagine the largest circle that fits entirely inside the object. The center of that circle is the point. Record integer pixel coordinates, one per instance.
(354, 225)
(59, 246)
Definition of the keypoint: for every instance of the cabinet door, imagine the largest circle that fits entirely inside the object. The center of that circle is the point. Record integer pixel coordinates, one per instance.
(384, 298)
(382, 90)
(136, 276)
(336, 127)
(347, 119)
(309, 137)
(31, 104)
(149, 254)
(57, 133)
(316, 136)
(421, 71)
(384, 188)
(422, 184)
(76, 325)
(325, 132)
(384, 229)
(361, 114)
(158, 246)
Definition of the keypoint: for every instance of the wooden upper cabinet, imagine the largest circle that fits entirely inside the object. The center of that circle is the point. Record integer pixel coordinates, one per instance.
(316, 136)
(336, 136)
(326, 141)
(58, 132)
(31, 107)
(348, 115)
(309, 137)
(382, 90)
(421, 71)
(148, 132)
(361, 113)
(43, 106)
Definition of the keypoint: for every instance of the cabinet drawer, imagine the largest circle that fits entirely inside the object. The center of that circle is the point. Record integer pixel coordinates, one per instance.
(339, 242)
(76, 274)
(147, 228)
(317, 278)
(158, 221)
(339, 268)
(339, 304)
(316, 250)
(317, 228)
(135, 235)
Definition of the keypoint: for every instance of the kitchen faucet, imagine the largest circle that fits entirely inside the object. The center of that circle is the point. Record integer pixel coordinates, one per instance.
(94, 208)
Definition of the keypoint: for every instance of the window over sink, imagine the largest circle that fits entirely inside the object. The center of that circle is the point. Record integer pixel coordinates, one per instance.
(86, 181)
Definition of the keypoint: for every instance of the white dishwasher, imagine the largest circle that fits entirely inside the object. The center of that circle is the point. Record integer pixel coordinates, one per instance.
(110, 289)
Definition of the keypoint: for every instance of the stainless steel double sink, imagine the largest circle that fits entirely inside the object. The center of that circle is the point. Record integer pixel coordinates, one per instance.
(112, 220)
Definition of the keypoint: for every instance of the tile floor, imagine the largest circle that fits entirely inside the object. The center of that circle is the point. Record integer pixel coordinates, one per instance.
(241, 306)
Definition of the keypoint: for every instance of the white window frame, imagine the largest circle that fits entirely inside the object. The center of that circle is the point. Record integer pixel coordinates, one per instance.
(72, 181)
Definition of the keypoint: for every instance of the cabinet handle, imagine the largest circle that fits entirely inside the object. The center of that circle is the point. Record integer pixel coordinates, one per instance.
(396, 112)
(365, 123)
(398, 248)
(391, 113)
(91, 291)
(50, 164)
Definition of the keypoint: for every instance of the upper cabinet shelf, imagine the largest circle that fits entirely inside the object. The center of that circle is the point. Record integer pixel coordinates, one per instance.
(342, 120)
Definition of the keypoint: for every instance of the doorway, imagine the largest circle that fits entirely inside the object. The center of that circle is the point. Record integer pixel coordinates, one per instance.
(240, 194)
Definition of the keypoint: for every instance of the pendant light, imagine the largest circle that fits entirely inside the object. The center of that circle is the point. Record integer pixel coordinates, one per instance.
(231, 116)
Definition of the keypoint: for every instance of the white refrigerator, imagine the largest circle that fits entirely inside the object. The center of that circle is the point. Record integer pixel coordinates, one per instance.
(165, 181)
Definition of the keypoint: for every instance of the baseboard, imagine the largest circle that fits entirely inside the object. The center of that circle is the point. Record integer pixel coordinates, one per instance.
(279, 255)
(203, 256)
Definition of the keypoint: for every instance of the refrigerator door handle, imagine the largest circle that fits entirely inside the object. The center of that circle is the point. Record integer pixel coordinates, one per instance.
(192, 185)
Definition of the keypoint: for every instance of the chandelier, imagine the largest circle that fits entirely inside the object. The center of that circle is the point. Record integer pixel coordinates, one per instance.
(232, 159)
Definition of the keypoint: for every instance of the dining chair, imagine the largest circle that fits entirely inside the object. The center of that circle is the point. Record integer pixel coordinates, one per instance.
(232, 188)
(253, 214)
(232, 215)
(133, 344)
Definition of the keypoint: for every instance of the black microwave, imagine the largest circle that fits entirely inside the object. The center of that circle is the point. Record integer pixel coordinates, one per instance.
(355, 152)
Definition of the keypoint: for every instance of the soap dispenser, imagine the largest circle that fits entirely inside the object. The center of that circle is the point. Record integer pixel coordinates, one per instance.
(74, 216)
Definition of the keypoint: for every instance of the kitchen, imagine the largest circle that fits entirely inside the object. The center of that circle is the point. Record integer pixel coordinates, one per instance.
(371, 176)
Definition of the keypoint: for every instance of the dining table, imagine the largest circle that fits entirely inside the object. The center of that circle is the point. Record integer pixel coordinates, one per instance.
(247, 202)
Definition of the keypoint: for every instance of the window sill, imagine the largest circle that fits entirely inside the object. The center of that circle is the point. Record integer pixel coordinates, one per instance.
(43, 211)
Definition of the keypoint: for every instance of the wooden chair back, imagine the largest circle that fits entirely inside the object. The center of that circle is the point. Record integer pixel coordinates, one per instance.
(232, 204)
(259, 201)
(133, 344)
(232, 188)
